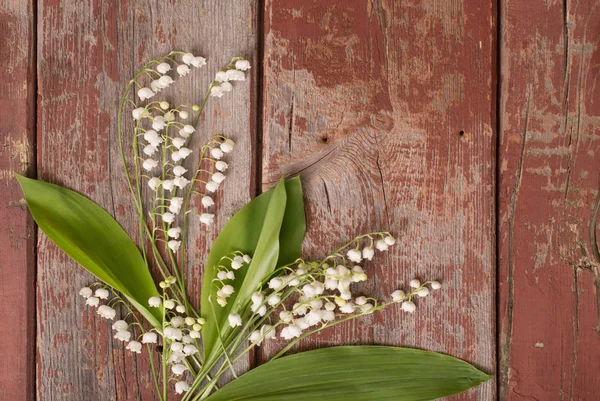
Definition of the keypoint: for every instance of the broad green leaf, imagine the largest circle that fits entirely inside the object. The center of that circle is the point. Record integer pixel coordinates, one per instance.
(355, 373)
(89, 235)
(270, 228)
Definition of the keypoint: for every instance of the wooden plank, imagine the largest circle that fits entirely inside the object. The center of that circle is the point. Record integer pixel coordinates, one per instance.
(88, 51)
(17, 235)
(549, 177)
(387, 111)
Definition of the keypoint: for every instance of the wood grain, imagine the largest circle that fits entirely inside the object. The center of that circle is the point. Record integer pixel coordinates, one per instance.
(17, 235)
(549, 187)
(386, 109)
(88, 50)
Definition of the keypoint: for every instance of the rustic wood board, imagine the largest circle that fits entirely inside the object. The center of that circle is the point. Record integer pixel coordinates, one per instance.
(549, 184)
(17, 235)
(88, 50)
(387, 111)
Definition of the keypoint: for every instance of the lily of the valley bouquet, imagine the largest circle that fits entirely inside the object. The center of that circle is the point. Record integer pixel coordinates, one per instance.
(255, 288)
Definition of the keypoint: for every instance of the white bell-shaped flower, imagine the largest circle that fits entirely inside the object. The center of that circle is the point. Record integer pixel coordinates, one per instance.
(163, 68)
(183, 70)
(221, 165)
(106, 312)
(178, 142)
(435, 285)
(207, 201)
(153, 183)
(216, 91)
(154, 302)
(212, 186)
(198, 61)
(181, 182)
(178, 369)
(242, 65)
(120, 325)
(408, 306)
(150, 338)
(102, 293)
(187, 58)
(86, 292)
(149, 164)
(92, 301)
(174, 245)
(139, 112)
(234, 319)
(135, 346)
(168, 185)
(221, 76)
(168, 217)
(123, 335)
(181, 387)
(174, 232)
(227, 146)
(145, 93)
(218, 177)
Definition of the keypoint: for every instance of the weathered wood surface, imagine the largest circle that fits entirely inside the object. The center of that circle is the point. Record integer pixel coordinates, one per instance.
(386, 109)
(17, 235)
(88, 50)
(549, 194)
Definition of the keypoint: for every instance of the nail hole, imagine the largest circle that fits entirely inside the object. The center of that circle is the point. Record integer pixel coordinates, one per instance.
(461, 133)
(324, 139)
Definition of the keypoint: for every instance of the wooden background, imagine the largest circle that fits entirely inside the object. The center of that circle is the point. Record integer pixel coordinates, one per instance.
(468, 128)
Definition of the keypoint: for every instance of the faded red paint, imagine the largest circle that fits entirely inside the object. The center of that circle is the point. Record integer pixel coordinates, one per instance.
(549, 342)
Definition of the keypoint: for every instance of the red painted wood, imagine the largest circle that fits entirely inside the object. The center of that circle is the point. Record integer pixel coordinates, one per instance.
(549, 184)
(89, 50)
(367, 101)
(17, 233)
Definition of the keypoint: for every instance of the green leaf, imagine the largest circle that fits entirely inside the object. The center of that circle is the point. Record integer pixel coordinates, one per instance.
(355, 373)
(270, 228)
(89, 235)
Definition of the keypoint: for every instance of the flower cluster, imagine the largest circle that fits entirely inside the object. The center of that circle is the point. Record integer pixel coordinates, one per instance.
(308, 296)
(224, 78)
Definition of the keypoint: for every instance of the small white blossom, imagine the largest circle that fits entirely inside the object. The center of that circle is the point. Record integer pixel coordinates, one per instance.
(102, 293)
(221, 301)
(242, 65)
(360, 301)
(207, 201)
(164, 105)
(86, 292)
(194, 334)
(154, 302)
(168, 185)
(181, 387)
(177, 321)
(368, 253)
(174, 245)
(212, 186)
(227, 290)
(106, 312)
(180, 309)
(178, 142)
(276, 283)
(187, 339)
(178, 369)
(381, 245)
(347, 308)
(207, 218)
(218, 177)
(390, 240)
(198, 62)
(226, 87)
(257, 298)
(354, 255)
(139, 113)
(181, 182)
(234, 320)
(255, 337)
(216, 91)
(163, 68)
(168, 217)
(235, 75)
(183, 114)
(149, 150)
(169, 304)
(398, 295)
(221, 76)
(92, 301)
(408, 306)
(149, 164)
(415, 283)
(267, 331)
(153, 137)
(120, 325)
(175, 205)
(183, 70)
(172, 333)
(123, 335)
(221, 165)
(187, 58)
(227, 146)
(155, 86)
(190, 349)
(165, 81)
(149, 338)
(135, 346)
(274, 299)
(145, 93)
(159, 123)
(153, 183)
(217, 153)
(435, 285)
(174, 232)
(423, 292)
(291, 331)
(330, 306)
(177, 347)
(247, 259)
